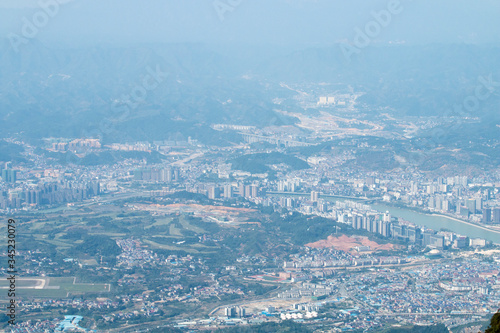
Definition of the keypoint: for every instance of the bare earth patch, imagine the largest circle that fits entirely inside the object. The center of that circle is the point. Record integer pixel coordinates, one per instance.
(347, 244)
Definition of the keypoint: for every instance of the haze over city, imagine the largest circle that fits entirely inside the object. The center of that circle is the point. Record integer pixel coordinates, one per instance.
(249, 166)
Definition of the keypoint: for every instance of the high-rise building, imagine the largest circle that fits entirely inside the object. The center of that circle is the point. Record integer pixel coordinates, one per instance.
(464, 181)
(464, 211)
(399, 231)
(431, 203)
(364, 223)
(254, 191)
(460, 242)
(228, 191)
(156, 175)
(413, 187)
(380, 227)
(9, 175)
(373, 225)
(479, 203)
(281, 186)
(445, 205)
(166, 175)
(436, 241)
(230, 312)
(487, 215)
(387, 216)
(414, 234)
(247, 191)
(471, 205)
(354, 222)
(213, 192)
(323, 100)
(426, 238)
(496, 215)
(233, 311)
(314, 196)
(358, 221)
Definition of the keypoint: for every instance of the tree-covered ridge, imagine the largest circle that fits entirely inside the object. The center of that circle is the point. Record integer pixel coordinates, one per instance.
(10, 152)
(102, 158)
(94, 245)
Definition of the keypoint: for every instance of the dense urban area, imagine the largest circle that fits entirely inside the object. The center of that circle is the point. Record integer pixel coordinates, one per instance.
(328, 224)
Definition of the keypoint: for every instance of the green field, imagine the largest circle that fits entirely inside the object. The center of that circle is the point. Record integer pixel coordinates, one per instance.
(186, 225)
(65, 232)
(160, 222)
(174, 231)
(56, 287)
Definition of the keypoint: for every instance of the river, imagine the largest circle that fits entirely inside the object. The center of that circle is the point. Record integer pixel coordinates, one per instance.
(434, 222)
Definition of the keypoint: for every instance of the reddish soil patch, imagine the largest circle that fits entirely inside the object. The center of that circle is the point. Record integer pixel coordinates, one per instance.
(347, 244)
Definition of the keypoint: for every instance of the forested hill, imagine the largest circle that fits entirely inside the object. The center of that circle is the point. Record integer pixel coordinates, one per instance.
(48, 90)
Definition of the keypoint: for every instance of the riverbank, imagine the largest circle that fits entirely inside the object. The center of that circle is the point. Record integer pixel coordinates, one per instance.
(466, 222)
(441, 221)
(416, 216)
(423, 212)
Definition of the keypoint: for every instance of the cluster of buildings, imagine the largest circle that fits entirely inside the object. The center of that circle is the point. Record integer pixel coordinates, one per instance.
(160, 175)
(7, 174)
(428, 292)
(235, 312)
(230, 191)
(332, 101)
(361, 216)
(382, 224)
(161, 146)
(304, 289)
(439, 291)
(82, 145)
(48, 194)
(474, 199)
(133, 253)
(457, 196)
(323, 259)
(74, 145)
(469, 288)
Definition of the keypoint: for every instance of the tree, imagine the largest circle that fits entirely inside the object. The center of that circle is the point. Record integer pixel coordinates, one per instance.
(494, 324)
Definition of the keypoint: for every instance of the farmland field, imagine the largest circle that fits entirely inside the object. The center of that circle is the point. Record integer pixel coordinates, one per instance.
(53, 287)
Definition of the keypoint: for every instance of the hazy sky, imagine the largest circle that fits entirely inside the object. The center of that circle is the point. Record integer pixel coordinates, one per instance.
(309, 22)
